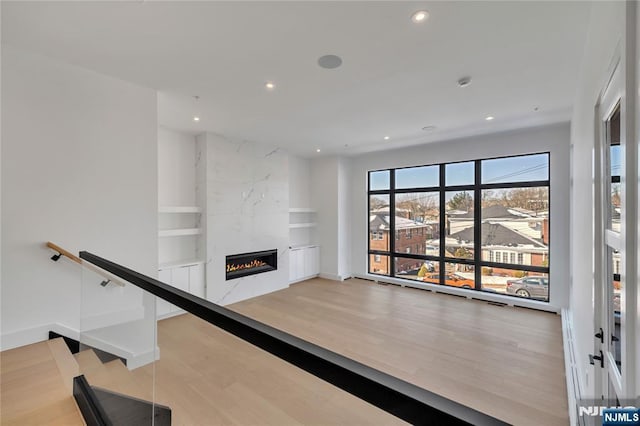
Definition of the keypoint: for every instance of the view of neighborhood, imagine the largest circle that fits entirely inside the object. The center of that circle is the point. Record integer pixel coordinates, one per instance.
(514, 230)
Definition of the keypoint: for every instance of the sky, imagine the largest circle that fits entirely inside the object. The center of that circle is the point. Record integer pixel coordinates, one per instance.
(615, 160)
(501, 170)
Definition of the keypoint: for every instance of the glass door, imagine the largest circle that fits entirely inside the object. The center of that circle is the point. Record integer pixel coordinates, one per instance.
(609, 246)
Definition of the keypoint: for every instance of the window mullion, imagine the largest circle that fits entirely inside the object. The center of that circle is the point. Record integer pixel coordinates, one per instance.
(477, 230)
(443, 224)
(392, 223)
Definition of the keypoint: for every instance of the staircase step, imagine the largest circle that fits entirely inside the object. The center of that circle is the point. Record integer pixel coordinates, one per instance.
(24, 357)
(61, 413)
(123, 381)
(67, 364)
(33, 386)
(113, 376)
(88, 361)
(124, 410)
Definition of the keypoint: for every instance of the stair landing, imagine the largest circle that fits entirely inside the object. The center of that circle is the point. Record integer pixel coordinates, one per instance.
(36, 385)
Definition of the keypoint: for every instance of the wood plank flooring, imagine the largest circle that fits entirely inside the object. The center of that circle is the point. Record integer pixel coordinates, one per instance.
(208, 377)
(504, 361)
(36, 382)
(507, 362)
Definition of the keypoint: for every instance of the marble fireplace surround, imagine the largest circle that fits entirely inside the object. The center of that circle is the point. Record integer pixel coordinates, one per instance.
(245, 188)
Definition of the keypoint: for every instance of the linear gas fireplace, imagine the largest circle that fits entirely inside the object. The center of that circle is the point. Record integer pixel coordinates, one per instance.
(241, 265)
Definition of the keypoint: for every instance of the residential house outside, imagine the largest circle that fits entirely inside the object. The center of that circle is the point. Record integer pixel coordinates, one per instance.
(411, 237)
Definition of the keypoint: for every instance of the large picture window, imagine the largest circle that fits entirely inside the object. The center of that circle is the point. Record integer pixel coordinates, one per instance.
(480, 225)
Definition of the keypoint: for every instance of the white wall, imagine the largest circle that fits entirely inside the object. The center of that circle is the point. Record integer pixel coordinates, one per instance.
(176, 168)
(637, 261)
(331, 196)
(344, 218)
(553, 139)
(0, 174)
(605, 33)
(79, 166)
(201, 193)
(324, 198)
(299, 182)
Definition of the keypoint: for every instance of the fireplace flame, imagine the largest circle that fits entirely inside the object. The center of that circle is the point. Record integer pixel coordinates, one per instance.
(249, 265)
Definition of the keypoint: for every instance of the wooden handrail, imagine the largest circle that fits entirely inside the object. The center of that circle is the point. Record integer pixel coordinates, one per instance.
(64, 252)
(110, 278)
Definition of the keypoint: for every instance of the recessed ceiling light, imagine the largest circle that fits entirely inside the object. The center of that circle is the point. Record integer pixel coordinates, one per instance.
(420, 16)
(270, 85)
(329, 61)
(196, 118)
(464, 81)
(386, 138)
(318, 150)
(489, 117)
(429, 128)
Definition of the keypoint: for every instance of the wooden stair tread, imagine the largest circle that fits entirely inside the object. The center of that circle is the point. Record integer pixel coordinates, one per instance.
(24, 356)
(88, 361)
(67, 364)
(122, 381)
(34, 390)
(64, 412)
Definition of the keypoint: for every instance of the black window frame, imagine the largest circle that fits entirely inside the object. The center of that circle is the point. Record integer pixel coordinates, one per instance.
(476, 189)
(615, 178)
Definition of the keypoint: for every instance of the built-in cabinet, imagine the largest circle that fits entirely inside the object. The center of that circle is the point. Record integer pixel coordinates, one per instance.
(188, 277)
(304, 263)
(179, 264)
(304, 253)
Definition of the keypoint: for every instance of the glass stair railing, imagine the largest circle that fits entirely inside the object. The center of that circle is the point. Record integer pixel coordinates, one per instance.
(215, 366)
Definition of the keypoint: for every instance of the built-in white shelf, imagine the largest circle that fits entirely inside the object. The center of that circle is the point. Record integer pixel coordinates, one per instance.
(303, 246)
(180, 264)
(179, 232)
(302, 210)
(179, 209)
(302, 225)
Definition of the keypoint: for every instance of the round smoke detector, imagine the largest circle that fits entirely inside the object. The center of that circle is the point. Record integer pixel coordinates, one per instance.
(329, 61)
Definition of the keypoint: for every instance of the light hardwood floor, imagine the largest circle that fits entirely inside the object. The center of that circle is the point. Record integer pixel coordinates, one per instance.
(507, 362)
(36, 384)
(209, 377)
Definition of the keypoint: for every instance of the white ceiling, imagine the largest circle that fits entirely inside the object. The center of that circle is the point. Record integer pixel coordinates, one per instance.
(396, 77)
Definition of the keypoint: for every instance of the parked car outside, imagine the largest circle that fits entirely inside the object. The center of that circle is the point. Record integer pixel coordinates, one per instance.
(529, 287)
(449, 279)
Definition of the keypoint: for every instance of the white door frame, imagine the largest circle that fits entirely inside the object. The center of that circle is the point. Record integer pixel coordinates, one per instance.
(621, 88)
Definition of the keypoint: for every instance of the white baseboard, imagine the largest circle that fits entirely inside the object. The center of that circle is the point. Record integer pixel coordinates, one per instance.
(574, 388)
(28, 336)
(333, 277)
(477, 295)
(40, 333)
(303, 279)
